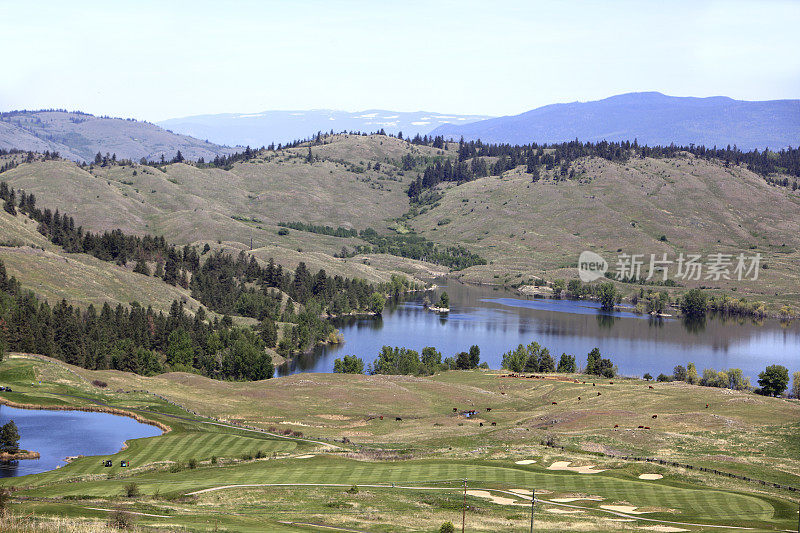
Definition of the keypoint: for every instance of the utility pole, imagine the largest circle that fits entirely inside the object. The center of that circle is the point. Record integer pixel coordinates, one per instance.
(464, 508)
(533, 500)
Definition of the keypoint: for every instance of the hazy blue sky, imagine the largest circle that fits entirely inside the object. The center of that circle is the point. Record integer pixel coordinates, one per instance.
(160, 59)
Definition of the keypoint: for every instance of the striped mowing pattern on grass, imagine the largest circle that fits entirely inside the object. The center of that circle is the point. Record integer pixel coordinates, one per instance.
(708, 503)
(171, 447)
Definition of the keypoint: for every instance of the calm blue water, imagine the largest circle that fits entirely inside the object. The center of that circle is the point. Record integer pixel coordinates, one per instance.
(60, 434)
(498, 321)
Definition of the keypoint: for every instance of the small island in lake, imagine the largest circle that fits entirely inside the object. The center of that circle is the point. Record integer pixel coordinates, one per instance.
(9, 444)
(443, 306)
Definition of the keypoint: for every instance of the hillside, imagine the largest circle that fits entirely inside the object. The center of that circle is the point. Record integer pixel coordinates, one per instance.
(652, 118)
(79, 136)
(261, 129)
(523, 229)
(78, 278)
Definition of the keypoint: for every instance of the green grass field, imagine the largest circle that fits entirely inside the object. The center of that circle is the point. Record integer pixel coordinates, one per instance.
(410, 474)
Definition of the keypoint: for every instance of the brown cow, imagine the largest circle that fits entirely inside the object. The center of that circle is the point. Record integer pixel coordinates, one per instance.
(616, 425)
(494, 423)
(649, 386)
(488, 409)
(555, 403)
(706, 406)
(455, 409)
(598, 394)
(381, 417)
(641, 427)
(647, 427)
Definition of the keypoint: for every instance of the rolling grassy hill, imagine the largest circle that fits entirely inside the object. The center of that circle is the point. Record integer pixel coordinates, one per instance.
(81, 279)
(525, 230)
(79, 136)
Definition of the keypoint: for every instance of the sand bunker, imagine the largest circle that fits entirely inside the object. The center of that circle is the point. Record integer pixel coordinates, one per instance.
(564, 511)
(665, 529)
(564, 465)
(627, 509)
(309, 456)
(651, 476)
(494, 499)
(568, 500)
(525, 462)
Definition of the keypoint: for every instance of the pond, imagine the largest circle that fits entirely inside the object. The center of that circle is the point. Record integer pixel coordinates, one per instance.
(57, 435)
(498, 321)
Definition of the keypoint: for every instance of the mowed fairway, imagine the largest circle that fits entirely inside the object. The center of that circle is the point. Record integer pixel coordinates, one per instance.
(257, 478)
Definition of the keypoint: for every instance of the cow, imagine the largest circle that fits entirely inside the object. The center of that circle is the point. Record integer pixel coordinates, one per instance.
(555, 403)
(706, 406)
(598, 394)
(481, 424)
(488, 409)
(616, 425)
(398, 419)
(455, 409)
(579, 397)
(494, 423)
(641, 427)
(381, 417)
(655, 416)
(647, 427)
(610, 382)
(649, 386)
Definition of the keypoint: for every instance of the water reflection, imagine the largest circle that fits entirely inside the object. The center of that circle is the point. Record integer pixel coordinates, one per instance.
(497, 321)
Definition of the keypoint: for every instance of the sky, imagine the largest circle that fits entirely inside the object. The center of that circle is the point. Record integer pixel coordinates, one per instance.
(154, 60)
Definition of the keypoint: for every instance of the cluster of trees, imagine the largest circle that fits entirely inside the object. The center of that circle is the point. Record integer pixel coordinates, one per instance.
(132, 339)
(418, 247)
(408, 245)
(404, 361)
(773, 381)
(322, 230)
(9, 437)
(535, 358)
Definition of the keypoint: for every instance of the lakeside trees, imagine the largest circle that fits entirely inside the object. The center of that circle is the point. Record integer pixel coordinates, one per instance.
(9, 437)
(773, 380)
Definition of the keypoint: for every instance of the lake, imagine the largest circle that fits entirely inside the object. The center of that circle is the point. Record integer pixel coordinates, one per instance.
(60, 434)
(498, 320)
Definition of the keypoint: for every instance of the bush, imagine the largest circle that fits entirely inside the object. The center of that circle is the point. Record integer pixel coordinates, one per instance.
(353, 490)
(214, 460)
(120, 519)
(663, 378)
(192, 464)
(447, 527)
(98, 383)
(131, 490)
(647, 376)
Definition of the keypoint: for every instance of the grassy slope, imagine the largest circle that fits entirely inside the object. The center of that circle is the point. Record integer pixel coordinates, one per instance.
(79, 278)
(486, 461)
(524, 229)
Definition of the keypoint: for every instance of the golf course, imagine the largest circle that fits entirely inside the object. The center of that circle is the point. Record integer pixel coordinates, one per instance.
(396, 453)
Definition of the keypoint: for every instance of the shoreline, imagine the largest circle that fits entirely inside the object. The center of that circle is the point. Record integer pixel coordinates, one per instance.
(6, 457)
(89, 409)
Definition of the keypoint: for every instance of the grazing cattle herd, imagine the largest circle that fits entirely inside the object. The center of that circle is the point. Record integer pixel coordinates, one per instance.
(472, 412)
